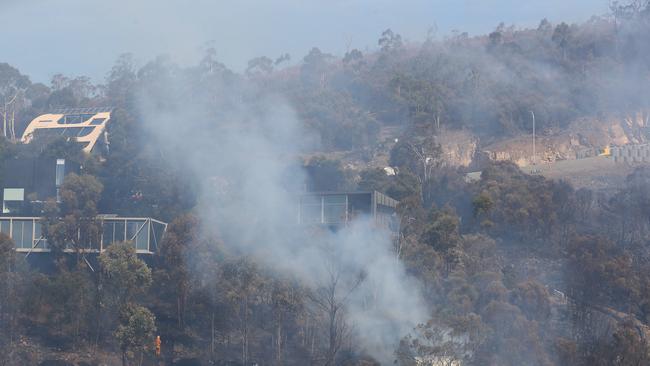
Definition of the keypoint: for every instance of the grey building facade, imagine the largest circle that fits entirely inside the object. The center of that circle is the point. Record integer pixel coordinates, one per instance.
(341, 208)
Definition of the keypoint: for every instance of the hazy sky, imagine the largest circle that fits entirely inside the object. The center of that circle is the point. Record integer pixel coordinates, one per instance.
(84, 37)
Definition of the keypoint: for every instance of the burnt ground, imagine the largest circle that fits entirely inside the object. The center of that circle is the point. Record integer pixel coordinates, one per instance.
(597, 173)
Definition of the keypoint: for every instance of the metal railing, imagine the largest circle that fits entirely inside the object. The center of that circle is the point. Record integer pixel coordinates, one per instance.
(145, 233)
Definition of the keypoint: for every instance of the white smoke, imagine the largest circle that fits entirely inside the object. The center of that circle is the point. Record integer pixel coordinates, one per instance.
(244, 147)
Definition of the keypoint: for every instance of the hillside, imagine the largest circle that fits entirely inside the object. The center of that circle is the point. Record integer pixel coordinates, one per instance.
(288, 241)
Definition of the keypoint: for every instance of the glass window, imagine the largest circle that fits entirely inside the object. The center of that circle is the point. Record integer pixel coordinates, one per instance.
(12, 206)
(60, 171)
(77, 118)
(359, 204)
(155, 236)
(131, 229)
(72, 131)
(334, 199)
(119, 231)
(334, 209)
(141, 239)
(85, 131)
(39, 241)
(17, 233)
(108, 228)
(12, 199)
(14, 194)
(27, 239)
(310, 210)
(334, 214)
(4, 226)
(97, 121)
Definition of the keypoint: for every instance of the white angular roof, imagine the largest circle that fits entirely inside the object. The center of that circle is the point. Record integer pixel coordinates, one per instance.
(85, 126)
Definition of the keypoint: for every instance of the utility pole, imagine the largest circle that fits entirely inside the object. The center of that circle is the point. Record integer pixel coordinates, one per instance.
(534, 155)
(534, 170)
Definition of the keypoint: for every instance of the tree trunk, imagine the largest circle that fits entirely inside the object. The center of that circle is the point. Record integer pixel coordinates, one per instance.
(212, 333)
(245, 332)
(98, 326)
(278, 341)
(331, 351)
(178, 310)
(4, 120)
(13, 129)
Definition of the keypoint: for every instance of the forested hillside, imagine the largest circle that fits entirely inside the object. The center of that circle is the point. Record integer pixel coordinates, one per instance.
(510, 269)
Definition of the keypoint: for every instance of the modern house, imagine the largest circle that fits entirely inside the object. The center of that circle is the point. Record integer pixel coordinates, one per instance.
(86, 126)
(341, 208)
(28, 182)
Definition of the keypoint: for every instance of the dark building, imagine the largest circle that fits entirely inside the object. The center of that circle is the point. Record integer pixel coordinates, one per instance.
(341, 208)
(28, 182)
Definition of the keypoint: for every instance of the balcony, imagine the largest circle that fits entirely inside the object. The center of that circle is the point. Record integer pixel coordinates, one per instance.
(145, 233)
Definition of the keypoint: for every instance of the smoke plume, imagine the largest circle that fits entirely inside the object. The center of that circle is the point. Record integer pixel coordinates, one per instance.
(244, 147)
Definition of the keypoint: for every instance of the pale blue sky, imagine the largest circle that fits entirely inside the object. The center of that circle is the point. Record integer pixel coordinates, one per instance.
(84, 37)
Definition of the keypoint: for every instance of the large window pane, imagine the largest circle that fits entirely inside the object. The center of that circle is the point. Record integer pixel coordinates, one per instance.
(17, 233)
(14, 194)
(108, 229)
(131, 229)
(27, 234)
(72, 131)
(4, 227)
(334, 214)
(88, 240)
(39, 242)
(119, 231)
(141, 237)
(76, 118)
(155, 237)
(310, 210)
(85, 131)
(358, 205)
(334, 209)
(334, 199)
(60, 172)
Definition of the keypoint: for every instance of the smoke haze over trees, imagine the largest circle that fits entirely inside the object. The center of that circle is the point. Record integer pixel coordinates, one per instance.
(509, 269)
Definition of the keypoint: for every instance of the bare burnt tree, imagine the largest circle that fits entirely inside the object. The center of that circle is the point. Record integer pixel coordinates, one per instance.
(331, 298)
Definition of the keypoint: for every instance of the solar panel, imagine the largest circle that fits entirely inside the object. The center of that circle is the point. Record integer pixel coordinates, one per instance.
(92, 110)
(85, 131)
(77, 118)
(97, 121)
(72, 131)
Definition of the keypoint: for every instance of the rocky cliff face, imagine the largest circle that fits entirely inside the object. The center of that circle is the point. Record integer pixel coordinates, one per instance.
(459, 148)
(583, 138)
